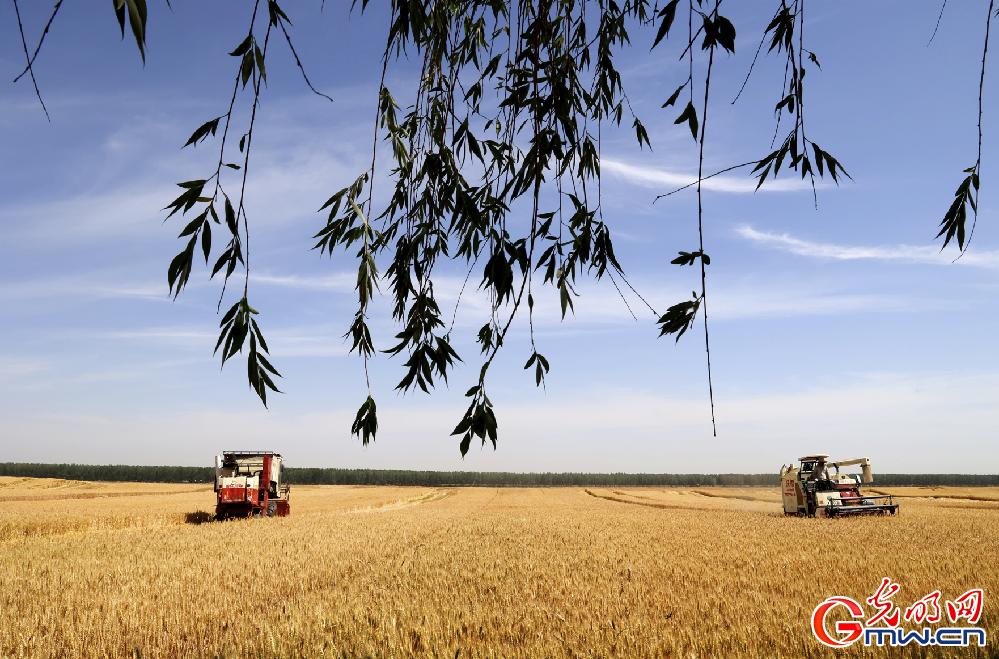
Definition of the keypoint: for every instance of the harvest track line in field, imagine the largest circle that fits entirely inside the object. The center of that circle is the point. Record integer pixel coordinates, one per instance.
(648, 502)
(634, 496)
(703, 493)
(95, 495)
(86, 525)
(435, 495)
(741, 497)
(952, 497)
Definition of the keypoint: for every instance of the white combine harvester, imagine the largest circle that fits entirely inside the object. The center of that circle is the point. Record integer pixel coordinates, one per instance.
(810, 489)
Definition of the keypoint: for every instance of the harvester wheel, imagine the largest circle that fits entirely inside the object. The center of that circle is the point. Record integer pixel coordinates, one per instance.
(271, 508)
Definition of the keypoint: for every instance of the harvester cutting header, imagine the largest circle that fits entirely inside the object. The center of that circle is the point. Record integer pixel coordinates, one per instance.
(251, 484)
(811, 490)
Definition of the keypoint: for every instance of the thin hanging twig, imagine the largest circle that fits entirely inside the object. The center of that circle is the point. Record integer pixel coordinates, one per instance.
(28, 59)
(298, 63)
(705, 178)
(700, 233)
(753, 63)
(937, 26)
(41, 40)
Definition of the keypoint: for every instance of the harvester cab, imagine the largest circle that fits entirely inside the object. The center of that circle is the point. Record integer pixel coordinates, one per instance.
(812, 490)
(250, 484)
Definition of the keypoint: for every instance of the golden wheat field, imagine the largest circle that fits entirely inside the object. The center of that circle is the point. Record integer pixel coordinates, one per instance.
(102, 569)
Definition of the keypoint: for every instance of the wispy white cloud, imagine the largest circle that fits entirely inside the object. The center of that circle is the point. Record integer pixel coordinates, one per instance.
(307, 343)
(82, 285)
(663, 178)
(283, 190)
(89, 215)
(177, 336)
(447, 288)
(785, 302)
(896, 419)
(340, 282)
(283, 342)
(14, 368)
(897, 253)
(62, 377)
(296, 166)
(110, 285)
(599, 303)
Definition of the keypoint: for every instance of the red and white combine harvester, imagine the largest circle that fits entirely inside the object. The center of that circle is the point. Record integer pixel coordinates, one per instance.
(250, 484)
(812, 490)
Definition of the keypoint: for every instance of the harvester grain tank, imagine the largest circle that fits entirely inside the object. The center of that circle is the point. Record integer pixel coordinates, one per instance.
(251, 484)
(811, 490)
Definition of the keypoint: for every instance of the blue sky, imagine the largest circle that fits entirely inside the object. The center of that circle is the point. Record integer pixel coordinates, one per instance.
(842, 330)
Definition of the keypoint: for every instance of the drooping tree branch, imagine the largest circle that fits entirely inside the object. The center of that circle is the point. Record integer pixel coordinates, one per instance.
(511, 100)
(954, 222)
(239, 328)
(489, 127)
(981, 95)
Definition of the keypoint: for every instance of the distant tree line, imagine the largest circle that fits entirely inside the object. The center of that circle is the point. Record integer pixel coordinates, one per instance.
(330, 476)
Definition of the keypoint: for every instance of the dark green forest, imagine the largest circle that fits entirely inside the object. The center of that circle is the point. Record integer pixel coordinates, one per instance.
(331, 476)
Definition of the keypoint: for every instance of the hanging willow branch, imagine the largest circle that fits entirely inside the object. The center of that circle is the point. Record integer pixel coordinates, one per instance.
(508, 99)
(239, 330)
(954, 222)
(494, 159)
